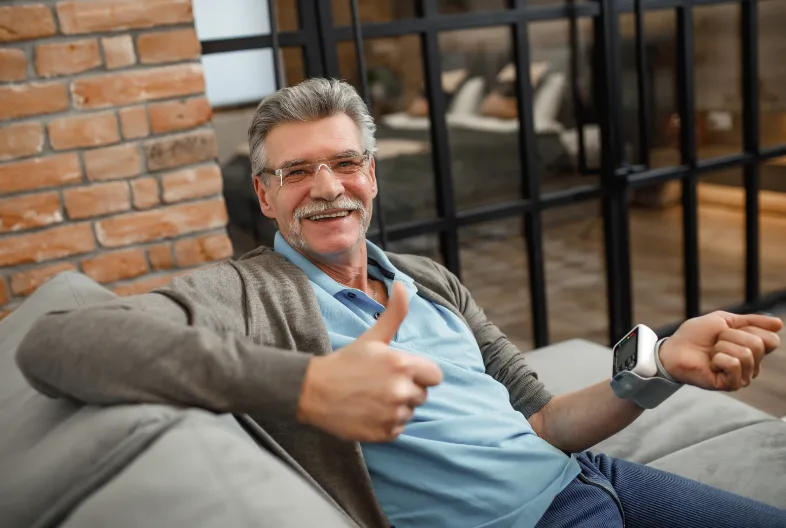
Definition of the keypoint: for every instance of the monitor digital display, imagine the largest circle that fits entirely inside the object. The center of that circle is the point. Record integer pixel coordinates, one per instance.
(625, 352)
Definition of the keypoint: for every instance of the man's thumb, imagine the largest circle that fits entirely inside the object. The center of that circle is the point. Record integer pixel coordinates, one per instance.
(387, 325)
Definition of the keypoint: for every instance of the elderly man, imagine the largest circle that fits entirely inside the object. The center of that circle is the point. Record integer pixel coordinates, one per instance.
(377, 373)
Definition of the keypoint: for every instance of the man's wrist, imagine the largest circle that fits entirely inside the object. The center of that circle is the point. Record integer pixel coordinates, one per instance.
(662, 372)
(307, 396)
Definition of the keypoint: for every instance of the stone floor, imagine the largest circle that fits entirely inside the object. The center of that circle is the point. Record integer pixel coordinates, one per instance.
(494, 268)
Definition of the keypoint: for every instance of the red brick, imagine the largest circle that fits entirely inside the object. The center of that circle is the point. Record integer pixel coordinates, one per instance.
(13, 65)
(57, 242)
(83, 130)
(22, 100)
(26, 22)
(157, 224)
(115, 266)
(134, 86)
(21, 139)
(112, 163)
(179, 115)
(115, 15)
(65, 58)
(118, 51)
(133, 122)
(146, 284)
(96, 200)
(146, 193)
(38, 173)
(196, 182)
(26, 282)
(3, 292)
(193, 251)
(160, 256)
(168, 46)
(31, 210)
(183, 149)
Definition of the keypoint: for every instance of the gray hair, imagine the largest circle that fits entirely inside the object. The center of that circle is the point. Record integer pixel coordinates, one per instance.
(310, 100)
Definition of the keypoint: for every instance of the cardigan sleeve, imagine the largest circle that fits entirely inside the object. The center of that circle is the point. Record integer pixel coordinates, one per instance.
(183, 345)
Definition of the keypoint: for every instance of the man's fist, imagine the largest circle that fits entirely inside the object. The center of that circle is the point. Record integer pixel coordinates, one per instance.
(367, 391)
(720, 351)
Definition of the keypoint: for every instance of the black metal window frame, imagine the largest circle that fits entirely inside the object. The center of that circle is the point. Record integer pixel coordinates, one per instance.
(318, 38)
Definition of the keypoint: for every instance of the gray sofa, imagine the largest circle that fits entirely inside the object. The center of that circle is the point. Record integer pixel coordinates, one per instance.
(62, 464)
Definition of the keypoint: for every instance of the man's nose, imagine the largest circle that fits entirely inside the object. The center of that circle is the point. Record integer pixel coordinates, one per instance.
(326, 186)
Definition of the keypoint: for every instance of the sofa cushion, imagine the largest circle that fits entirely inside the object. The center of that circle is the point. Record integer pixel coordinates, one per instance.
(203, 474)
(132, 465)
(58, 452)
(750, 461)
(704, 435)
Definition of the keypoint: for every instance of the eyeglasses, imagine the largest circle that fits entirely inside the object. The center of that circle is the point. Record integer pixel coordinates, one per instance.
(342, 168)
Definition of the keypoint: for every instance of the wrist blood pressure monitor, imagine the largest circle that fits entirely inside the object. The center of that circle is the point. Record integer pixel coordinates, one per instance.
(637, 374)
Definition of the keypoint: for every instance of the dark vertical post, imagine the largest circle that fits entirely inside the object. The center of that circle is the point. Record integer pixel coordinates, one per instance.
(615, 205)
(578, 104)
(530, 181)
(271, 11)
(312, 50)
(329, 44)
(359, 51)
(443, 179)
(686, 101)
(361, 56)
(750, 95)
(642, 71)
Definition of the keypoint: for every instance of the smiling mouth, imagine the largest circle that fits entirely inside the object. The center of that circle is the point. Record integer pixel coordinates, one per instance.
(329, 216)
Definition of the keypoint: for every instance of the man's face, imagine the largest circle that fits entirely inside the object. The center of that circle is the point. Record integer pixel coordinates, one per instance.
(297, 205)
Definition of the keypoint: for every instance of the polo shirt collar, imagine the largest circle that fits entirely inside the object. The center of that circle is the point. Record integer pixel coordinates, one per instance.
(379, 267)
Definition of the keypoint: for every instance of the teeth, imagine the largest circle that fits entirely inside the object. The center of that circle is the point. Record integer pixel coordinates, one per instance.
(334, 215)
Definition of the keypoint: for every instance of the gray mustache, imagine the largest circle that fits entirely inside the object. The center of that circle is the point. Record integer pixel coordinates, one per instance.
(313, 208)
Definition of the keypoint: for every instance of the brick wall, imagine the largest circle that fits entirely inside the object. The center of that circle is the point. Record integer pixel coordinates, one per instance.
(107, 151)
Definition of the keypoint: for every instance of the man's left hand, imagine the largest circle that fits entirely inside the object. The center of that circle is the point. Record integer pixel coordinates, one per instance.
(720, 351)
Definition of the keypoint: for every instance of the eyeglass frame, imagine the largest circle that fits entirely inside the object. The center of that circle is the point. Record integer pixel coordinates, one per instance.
(366, 155)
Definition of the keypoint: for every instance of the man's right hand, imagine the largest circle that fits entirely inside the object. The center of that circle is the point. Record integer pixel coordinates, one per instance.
(367, 391)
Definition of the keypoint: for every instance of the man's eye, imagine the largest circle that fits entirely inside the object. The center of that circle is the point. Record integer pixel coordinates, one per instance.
(347, 164)
(297, 172)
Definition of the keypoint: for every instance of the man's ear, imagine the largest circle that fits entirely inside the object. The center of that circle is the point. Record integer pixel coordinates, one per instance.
(263, 194)
(372, 176)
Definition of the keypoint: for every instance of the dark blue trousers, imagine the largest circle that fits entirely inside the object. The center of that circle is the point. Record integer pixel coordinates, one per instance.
(611, 492)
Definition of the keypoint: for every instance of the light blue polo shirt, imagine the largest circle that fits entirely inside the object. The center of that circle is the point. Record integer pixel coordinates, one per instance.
(467, 458)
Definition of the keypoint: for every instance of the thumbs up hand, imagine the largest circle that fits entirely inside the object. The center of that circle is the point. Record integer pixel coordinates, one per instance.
(367, 391)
